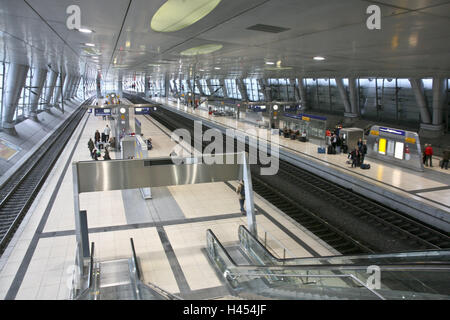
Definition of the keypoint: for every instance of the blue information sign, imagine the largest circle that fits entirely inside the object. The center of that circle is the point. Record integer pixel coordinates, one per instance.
(141, 111)
(301, 116)
(102, 111)
(393, 131)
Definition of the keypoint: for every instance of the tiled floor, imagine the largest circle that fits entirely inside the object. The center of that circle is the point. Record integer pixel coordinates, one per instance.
(46, 273)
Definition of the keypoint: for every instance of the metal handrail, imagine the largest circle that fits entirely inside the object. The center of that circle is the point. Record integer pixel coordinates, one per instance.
(351, 276)
(350, 257)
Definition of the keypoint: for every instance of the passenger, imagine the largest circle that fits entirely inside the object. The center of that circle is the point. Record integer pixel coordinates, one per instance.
(106, 156)
(95, 155)
(363, 151)
(352, 157)
(445, 159)
(97, 136)
(241, 192)
(424, 156)
(334, 143)
(106, 132)
(91, 145)
(360, 144)
(429, 155)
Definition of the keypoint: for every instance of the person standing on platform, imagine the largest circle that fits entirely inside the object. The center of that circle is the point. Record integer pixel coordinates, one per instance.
(107, 131)
(445, 159)
(91, 146)
(241, 192)
(333, 143)
(97, 136)
(363, 151)
(429, 155)
(424, 155)
(106, 156)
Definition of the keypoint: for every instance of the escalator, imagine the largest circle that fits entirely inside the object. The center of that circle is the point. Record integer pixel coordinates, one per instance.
(393, 276)
(119, 279)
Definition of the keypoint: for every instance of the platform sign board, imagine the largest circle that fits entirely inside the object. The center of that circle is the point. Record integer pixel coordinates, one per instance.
(102, 111)
(8, 150)
(141, 111)
(395, 146)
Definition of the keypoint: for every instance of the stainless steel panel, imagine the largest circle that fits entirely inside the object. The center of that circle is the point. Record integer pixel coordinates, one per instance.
(159, 172)
(411, 140)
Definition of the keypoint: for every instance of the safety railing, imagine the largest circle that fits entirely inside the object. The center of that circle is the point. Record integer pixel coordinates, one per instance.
(254, 247)
(88, 292)
(425, 280)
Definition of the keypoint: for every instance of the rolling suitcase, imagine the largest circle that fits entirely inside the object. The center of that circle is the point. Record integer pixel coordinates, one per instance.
(321, 150)
(365, 166)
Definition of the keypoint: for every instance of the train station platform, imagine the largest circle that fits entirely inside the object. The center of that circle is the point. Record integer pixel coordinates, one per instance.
(169, 231)
(422, 195)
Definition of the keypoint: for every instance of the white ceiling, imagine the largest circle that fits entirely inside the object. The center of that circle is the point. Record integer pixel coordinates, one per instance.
(414, 40)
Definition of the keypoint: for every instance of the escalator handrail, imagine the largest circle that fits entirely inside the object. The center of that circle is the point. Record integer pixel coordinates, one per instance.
(349, 257)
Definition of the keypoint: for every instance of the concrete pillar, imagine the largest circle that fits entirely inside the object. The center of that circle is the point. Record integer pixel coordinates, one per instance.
(439, 99)
(147, 85)
(120, 86)
(66, 87)
(98, 86)
(51, 83)
(210, 87)
(417, 87)
(75, 86)
(293, 84)
(266, 90)
(353, 92)
(200, 88)
(37, 84)
(166, 86)
(224, 88)
(15, 81)
(302, 91)
(59, 87)
(242, 88)
(343, 94)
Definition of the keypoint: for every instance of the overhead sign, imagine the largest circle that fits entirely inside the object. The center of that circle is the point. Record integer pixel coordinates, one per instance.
(305, 117)
(102, 111)
(141, 111)
(392, 131)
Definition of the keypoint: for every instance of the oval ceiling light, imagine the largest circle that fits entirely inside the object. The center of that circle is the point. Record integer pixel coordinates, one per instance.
(175, 15)
(319, 58)
(204, 49)
(270, 63)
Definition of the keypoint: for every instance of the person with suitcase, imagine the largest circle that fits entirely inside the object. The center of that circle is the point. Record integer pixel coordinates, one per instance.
(241, 191)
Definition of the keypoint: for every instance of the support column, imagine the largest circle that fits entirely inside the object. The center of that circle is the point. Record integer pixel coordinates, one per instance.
(439, 98)
(210, 87)
(417, 87)
(147, 86)
(37, 84)
(14, 84)
(302, 91)
(59, 87)
(353, 96)
(51, 83)
(200, 88)
(292, 82)
(98, 85)
(166, 86)
(75, 87)
(265, 88)
(242, 88)
(343, 94)
(224, 88)
(66, 87)
(120, 86)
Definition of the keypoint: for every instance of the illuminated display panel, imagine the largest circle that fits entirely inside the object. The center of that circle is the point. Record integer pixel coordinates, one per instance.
(399, 147)
(382, 146)
(138, 109)
(390, 148)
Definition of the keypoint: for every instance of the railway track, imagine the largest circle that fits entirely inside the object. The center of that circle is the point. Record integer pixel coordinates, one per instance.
(19, 191)
(416, 234)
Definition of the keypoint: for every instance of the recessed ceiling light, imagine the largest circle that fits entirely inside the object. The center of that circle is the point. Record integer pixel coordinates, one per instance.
(204, 49)
(319, 58)
(217, 68)
(89, 44)
(270, 63)
(127, 44)
(85, 30)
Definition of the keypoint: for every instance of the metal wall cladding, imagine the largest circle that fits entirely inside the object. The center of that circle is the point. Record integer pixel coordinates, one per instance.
(133, 174)
(412, 153)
